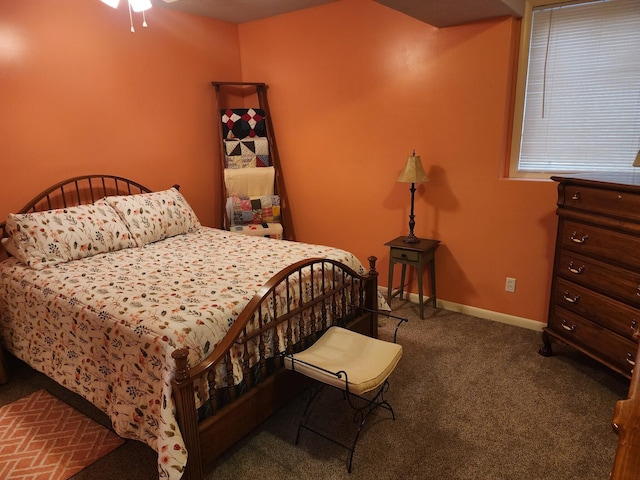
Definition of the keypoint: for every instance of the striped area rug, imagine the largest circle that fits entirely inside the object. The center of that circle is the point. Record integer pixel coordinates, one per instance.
(41, 437)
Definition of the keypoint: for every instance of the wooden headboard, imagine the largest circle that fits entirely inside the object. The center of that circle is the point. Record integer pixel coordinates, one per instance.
(81, 190)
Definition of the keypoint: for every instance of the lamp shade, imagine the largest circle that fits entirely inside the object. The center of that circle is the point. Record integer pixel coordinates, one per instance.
(111, 3)
(413, 171)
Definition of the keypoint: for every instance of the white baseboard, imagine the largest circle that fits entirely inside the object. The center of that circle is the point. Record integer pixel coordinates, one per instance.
(477, 312)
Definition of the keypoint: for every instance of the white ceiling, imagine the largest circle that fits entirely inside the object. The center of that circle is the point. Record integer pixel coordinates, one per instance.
(439, 13)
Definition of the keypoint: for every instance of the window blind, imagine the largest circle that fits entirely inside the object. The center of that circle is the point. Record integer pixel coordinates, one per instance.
(582, 101)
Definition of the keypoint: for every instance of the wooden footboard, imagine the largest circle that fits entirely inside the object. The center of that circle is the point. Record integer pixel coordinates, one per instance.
(261, 339)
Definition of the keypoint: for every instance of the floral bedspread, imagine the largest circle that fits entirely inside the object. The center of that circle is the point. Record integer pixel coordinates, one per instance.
(105, 326)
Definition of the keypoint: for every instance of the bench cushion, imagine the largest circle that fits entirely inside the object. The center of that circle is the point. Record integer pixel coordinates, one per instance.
(367, 361)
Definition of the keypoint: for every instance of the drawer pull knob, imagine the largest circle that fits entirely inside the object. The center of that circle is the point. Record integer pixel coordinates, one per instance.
(568, 328)
(569, 298)
(575, 196)
(574, 238)
(630, 359)
(634, 329)
(580, 269)
(619, 197)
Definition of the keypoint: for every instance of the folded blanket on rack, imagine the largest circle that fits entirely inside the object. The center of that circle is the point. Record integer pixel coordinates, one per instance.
(253, 210)
(249, 182)
(271, 230)
(247, 152)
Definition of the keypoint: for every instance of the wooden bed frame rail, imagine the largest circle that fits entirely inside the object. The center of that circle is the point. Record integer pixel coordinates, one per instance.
(345, 296)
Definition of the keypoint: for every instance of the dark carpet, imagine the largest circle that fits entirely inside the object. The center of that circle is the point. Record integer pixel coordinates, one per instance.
(472, 397)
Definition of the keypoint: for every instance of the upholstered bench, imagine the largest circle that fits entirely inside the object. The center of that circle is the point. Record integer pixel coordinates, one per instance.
(354, 363)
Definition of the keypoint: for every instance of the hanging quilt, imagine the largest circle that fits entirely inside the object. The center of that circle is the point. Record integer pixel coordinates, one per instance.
(246, 210)
(243, 123)
(243, 153)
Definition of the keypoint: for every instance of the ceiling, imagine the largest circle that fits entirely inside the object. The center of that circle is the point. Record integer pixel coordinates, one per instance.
(447, 13)
(238, 11)
(439, 13)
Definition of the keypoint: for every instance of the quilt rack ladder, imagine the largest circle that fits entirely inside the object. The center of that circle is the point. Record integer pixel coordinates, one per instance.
(279, 188)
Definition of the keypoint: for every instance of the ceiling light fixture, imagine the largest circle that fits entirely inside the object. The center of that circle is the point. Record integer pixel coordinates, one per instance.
(135, 6)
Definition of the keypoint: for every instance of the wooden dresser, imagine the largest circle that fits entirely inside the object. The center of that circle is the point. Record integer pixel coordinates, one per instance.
(595, 291)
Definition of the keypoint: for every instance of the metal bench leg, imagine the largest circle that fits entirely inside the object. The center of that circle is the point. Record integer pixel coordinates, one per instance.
(360, 415)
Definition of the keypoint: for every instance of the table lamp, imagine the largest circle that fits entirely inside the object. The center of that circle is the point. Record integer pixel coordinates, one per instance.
(413, 173)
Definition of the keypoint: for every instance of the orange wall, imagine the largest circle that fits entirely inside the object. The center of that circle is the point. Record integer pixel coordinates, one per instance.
(82, 94)
(354, 87)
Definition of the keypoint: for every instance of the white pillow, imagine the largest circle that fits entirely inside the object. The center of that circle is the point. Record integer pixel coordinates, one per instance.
(155, 216)
(7, 244)
(43, 239)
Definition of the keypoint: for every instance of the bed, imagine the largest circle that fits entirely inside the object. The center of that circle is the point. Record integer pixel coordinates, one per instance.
(176, 330)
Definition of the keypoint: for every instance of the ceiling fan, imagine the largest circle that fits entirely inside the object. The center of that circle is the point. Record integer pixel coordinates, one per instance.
(134, 5)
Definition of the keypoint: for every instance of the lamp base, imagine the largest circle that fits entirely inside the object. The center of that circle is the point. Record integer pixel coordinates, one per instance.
(411, 239)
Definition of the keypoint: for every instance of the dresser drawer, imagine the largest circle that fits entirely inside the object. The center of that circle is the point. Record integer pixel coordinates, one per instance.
(608, 201)
(594, 338)
(600, 242)
(403, 254)
(620, 283)
(611, 314)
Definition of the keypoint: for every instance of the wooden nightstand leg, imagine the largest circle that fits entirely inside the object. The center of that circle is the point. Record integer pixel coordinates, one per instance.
(404, 271)
(390, 289)
(432, 271)
(420, 292)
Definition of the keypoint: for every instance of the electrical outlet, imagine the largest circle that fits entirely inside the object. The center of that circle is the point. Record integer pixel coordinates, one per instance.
(510, 285)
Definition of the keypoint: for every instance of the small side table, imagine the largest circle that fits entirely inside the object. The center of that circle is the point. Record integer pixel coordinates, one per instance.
(416, 255)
